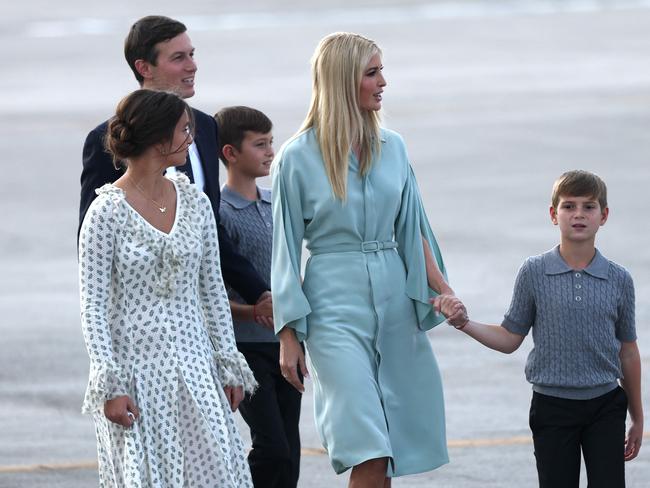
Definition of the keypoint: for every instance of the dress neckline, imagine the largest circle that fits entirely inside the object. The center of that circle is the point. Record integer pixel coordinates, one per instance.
(149, 224)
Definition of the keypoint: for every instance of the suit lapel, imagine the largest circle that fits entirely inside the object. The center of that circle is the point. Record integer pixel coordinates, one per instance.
(205, 137)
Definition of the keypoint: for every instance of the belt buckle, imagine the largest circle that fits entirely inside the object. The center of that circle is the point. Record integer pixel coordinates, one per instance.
(376, 244)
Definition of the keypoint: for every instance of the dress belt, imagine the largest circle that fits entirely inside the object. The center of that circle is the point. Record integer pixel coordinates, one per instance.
(366, 246)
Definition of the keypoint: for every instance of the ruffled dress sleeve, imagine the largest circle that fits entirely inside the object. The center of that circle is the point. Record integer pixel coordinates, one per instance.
(411, 225)
(290, 305)
(107, 378)
(231, 366)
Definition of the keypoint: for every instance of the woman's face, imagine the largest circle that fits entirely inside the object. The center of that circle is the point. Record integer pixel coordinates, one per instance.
(372, 85)
(181, 141)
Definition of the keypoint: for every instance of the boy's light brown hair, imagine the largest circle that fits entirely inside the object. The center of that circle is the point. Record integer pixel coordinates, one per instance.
(579, 183)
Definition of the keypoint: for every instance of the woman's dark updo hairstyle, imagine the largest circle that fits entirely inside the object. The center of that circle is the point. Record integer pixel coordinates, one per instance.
(142, 119)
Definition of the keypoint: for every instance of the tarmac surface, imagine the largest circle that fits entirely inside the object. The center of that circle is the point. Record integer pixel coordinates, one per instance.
(494, 99)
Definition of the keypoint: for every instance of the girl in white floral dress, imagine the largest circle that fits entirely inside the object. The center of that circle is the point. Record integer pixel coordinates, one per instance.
(165, 374)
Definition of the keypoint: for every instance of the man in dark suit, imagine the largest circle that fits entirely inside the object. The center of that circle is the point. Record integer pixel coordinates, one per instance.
(161, 55)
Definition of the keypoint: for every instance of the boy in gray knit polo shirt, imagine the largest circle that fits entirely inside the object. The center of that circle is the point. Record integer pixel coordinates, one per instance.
(580, 307)
(273, 412)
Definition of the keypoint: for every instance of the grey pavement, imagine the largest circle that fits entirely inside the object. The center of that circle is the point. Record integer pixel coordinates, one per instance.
(494, 99)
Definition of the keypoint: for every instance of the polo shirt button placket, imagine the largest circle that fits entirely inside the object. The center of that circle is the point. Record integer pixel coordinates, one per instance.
(578, 286)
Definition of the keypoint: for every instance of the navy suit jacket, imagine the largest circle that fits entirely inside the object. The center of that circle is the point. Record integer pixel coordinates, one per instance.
(98, 169)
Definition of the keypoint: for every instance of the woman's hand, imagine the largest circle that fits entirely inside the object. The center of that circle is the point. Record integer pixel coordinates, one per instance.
(292, 357)
(234, 394)
(121, 410)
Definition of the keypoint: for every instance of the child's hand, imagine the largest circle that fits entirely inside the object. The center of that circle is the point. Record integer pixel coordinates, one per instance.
(633, 441)
(121, 410)
(452, 308)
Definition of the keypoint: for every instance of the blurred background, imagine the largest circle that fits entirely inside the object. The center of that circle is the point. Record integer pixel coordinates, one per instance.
(495, 99)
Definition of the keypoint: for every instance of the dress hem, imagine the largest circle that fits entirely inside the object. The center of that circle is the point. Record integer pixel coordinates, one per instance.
(418, 469)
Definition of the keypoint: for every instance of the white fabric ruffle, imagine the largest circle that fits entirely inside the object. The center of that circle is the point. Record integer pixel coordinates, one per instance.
(233, 370)
(105, 381)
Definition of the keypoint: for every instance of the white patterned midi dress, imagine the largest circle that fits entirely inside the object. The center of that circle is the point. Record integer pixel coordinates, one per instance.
(157, 326)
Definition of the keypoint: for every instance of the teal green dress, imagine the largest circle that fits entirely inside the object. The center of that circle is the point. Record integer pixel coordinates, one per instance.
(363, 307)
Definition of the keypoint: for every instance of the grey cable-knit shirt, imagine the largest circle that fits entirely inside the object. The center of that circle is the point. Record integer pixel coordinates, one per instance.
(250, 227)
(579, 319)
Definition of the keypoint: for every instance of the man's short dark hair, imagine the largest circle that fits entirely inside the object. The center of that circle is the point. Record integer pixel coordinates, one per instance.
(233, 122)
(140, 42)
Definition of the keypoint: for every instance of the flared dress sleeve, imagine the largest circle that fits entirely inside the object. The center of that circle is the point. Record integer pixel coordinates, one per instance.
(411, 226)
(107, 378)
(232, 367)
(290, 305)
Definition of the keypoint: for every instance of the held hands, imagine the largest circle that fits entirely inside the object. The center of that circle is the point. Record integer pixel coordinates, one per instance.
(453, 310)
(263, 311)
(121, 410)
(292, 357)
(234, 394)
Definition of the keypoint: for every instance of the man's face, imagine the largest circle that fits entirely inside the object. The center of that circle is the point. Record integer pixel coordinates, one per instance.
(175, 67)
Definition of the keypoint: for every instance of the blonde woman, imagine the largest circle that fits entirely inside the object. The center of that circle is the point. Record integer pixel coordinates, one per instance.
(344, 185)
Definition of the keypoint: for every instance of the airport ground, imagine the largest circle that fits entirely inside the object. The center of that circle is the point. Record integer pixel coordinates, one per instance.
(494, 99)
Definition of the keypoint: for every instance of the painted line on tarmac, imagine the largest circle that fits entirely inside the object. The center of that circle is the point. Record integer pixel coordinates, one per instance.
(305, 451)
(506, 441)
(30, 468)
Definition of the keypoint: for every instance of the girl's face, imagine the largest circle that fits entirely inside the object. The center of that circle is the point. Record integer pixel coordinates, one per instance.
(372, 85)
(181, 141)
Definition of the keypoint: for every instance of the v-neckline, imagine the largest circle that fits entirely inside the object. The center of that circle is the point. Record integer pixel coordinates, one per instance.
(353, 162)
(176, 215)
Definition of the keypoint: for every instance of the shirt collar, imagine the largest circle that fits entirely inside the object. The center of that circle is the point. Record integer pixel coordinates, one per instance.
(554, 264)
(599, 266)
(239, 202)
(265, 194)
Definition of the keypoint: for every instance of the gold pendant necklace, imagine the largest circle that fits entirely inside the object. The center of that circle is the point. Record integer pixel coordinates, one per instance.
(160, 207)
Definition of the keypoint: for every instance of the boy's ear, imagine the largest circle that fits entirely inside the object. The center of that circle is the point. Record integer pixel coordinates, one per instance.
(553, 213)
(603, 215)
(230, 153)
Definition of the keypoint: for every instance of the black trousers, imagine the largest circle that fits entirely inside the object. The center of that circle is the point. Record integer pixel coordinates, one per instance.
(561, 428)
(272, 414)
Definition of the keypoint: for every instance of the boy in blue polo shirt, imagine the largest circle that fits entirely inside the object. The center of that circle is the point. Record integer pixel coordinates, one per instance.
(580, 307)
(273, 412)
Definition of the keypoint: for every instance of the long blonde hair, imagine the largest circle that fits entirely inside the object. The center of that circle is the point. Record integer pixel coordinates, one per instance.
(338, 65)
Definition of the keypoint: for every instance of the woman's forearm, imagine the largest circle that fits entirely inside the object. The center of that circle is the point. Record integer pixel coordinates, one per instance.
(435, 277)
